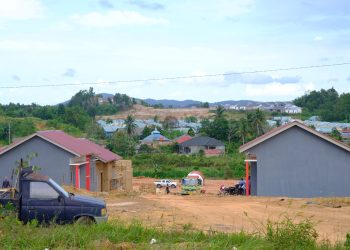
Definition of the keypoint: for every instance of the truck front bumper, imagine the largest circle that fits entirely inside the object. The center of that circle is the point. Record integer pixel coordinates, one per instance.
(101, 219)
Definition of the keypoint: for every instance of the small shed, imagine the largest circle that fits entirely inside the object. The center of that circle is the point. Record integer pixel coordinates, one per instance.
(297, 161)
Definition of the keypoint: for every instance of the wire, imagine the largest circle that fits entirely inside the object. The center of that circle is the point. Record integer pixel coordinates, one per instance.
(176, 77)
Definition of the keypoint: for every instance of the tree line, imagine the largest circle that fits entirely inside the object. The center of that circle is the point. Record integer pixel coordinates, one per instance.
(327, 104)
(75, 116)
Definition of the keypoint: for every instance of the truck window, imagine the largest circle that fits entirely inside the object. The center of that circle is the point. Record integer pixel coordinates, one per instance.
(42, 190)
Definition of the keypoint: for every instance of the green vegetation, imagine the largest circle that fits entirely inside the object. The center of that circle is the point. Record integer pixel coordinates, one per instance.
(119, 235)
(75, 117)
(167, 165)
(327, 104)
(228, 130)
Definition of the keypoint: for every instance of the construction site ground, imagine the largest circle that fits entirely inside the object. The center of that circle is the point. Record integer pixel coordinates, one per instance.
(226, 213)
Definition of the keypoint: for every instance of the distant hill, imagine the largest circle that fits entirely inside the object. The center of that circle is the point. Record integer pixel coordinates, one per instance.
(191, 103)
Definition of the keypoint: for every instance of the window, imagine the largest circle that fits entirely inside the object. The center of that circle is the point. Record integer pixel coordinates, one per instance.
(42, 190)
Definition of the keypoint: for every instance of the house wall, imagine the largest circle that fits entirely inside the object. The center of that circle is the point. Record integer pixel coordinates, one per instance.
(196, 149)
(297, 163)
(52, 160)
(116, 175)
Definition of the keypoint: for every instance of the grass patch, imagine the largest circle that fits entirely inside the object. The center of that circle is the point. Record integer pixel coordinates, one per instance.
(119, 235)
(167, 165)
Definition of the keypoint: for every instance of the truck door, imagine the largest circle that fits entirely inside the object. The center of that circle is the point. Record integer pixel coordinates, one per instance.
(44, 203)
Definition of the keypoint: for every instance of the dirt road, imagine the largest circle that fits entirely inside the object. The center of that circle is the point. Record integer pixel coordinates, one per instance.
(230, 213)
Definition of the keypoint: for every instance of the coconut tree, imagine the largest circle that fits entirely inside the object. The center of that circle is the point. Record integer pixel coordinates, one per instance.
(130, 125)
(242, 130)
(219, 112)
(257, 122)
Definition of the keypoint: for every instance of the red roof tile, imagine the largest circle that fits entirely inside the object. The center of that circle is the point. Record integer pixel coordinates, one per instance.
(80, 146)
(183, 138)
(212, 152)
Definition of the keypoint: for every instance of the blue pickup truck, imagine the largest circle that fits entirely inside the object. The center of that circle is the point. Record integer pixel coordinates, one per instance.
(39, 197)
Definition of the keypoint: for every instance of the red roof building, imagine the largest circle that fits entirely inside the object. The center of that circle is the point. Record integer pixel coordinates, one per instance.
(76, 161)
(183, 138)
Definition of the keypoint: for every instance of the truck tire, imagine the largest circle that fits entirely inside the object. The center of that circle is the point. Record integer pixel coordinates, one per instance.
(173, 186)
(84, 220)
(159, 186)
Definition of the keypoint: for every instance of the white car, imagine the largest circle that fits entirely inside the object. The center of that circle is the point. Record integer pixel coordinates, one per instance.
(164, 183)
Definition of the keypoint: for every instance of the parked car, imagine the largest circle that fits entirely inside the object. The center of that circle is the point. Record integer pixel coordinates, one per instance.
(41, 198)
(164, 183)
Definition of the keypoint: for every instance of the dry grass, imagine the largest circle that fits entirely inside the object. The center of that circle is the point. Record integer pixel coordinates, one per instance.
(142, 112)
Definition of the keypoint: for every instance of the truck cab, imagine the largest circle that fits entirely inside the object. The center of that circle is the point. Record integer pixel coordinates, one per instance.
(41, 198)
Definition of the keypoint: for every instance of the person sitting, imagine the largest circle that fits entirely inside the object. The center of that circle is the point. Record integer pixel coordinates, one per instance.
(6, 183)
(241, 183)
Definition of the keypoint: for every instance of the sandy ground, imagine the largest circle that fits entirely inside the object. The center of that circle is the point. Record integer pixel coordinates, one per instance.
(229, 213)
(141, 112)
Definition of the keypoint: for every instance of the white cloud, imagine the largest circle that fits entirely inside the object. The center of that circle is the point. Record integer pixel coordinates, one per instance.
(115, 18)
(277, 89)
(318, 38)
(20, 9)
(219, 9)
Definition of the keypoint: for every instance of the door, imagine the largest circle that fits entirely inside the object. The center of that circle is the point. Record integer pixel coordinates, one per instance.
(253, 178)
(44, 203)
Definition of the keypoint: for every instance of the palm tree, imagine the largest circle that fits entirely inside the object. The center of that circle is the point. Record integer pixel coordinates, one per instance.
(257, 121)
(242, 129)
(219, 112)
(130, 125)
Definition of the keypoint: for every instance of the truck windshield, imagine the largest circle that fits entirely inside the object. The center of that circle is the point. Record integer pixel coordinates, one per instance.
(59, 188)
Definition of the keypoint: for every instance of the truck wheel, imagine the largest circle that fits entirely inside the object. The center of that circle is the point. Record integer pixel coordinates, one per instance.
(173, 186)
(84, 220)
(159, 186)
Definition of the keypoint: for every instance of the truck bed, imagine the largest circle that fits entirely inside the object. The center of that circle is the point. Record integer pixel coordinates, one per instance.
(9, 196)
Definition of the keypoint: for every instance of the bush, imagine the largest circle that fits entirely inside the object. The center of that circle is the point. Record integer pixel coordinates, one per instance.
(177, 166)
(287, 235)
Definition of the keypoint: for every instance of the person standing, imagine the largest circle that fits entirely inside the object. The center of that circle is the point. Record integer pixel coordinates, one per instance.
(6, 183)
(167, 189)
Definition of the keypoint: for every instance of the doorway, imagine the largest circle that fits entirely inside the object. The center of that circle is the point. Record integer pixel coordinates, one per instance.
(101, 181)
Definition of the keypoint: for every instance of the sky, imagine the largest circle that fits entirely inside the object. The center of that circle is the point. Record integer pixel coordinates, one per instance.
(50, 42)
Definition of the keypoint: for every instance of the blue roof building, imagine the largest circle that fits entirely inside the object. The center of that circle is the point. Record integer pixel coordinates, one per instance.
(155, 138)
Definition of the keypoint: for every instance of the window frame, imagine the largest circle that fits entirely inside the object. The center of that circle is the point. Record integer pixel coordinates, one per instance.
(41, 198)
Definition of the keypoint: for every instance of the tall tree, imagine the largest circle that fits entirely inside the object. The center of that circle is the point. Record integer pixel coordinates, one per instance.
(257, 121)
(130, 125)
(219, 112)
(242, 130)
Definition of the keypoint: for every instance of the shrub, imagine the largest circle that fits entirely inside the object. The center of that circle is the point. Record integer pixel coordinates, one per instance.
(286, 234)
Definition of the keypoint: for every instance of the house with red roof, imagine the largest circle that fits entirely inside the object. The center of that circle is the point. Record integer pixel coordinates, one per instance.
(67, 160)
(183, 138)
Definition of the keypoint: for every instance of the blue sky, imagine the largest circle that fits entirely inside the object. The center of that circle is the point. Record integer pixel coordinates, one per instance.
(60, 42)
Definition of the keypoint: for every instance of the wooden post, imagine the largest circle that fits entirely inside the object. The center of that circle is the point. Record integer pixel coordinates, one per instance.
(247, 178)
